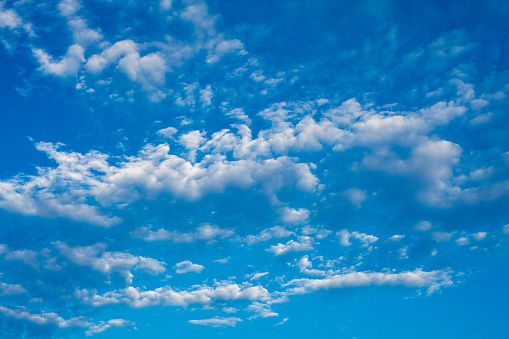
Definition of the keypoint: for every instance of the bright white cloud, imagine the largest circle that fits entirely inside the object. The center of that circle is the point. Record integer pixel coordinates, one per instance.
(344, 237)
(294, 216)
(187, 266)
(204, 295)
(303, 243)
(433, 280)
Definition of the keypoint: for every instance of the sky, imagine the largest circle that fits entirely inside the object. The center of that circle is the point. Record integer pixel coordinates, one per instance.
(246, 169)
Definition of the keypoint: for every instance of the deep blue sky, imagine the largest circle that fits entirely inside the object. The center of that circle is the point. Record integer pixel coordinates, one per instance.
(239, 169)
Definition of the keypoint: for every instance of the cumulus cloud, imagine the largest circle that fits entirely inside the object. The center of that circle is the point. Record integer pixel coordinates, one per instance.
(294, 216)
(344, 237)
(433, 280)
(106, 262)
(204, 295)
(44, 318)
(187, 266)
(63, 191)
(68, 65)
(11, 289)
(306, 266)
(303, 243)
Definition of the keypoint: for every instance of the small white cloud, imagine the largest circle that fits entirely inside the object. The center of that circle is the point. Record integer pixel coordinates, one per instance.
(356, 196)
(396, 237)
(105, 325)
(479, 236)
(303, 244)
(69, 65)
(462, 241)
(423, 226)
(345, 236)
(294, 216)
(256, 276)
(282, 322)
(187, 266)
(222, 261)
(165, 4)
(441, 236)
(217, 322)
(505, 229)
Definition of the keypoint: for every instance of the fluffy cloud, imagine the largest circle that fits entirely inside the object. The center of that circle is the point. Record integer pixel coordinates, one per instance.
(107, 262)
(345, 236)
(204, 295)
(44, 318)
(267, 234)
(303, 243)
(11, 289)
(294, 216)
(62, 191)
(187, 266)
(68, 65)
(433, 280)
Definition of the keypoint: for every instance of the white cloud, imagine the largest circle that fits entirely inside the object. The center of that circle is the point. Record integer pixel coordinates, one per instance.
(11, 289)
(217, 322)
(396, 237)
(105, 325)
(105, 262)
(9, 18)
(238, 113)
(282, 322)
(462, 241)
(479, 236)
(267, 234)
(44, 318)
(68, 65)
(204, 232)
(344, 237)
(256, 276)
(356, 196)
(306, 267)
(294, 216)
(423, 226)
(204, 295)
(165, 4)
(167, 132)
(224, 47)
(505, 229)
(69, 7)
(187, 266)
(303, 243)
(441, 236)
(63, 191)
(433, 280)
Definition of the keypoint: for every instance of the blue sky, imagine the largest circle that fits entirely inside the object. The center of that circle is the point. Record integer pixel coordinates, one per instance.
(241, 169)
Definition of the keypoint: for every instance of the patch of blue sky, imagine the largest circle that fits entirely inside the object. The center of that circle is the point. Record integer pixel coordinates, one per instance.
(245, 168)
